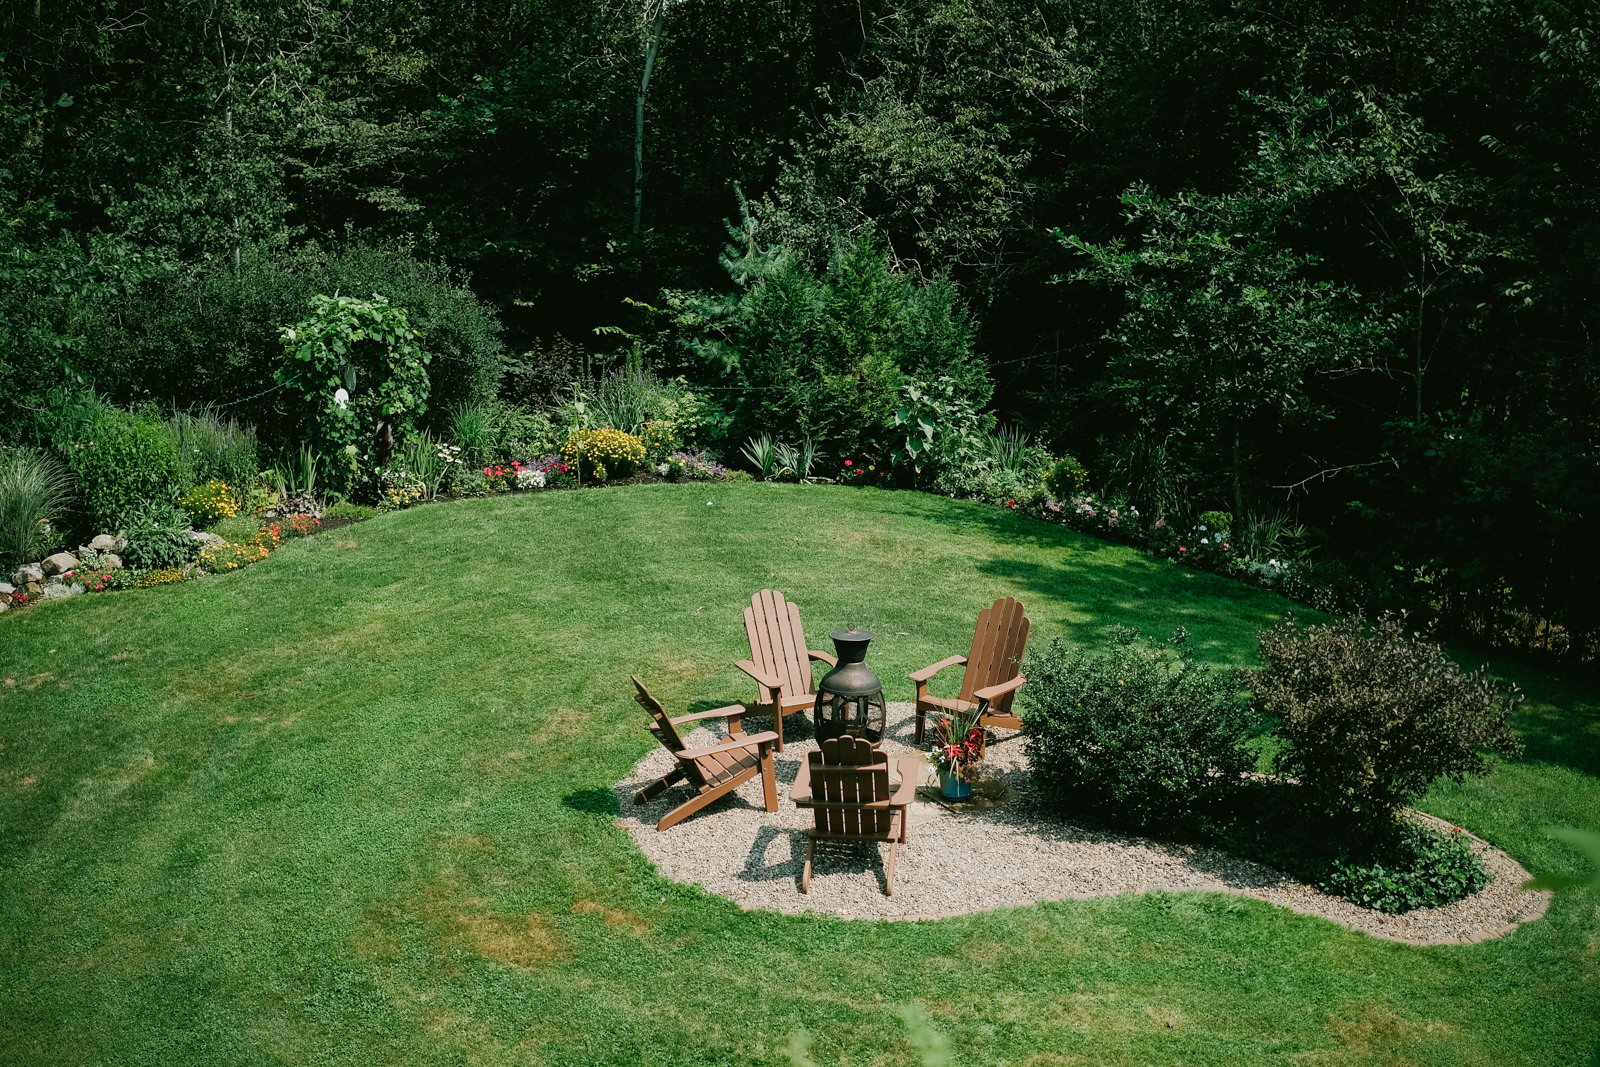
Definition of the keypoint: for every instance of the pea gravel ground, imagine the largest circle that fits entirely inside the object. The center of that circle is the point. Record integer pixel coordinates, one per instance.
(994, 851)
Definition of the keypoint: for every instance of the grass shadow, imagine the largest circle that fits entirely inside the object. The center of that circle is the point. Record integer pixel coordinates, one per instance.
(592, 802)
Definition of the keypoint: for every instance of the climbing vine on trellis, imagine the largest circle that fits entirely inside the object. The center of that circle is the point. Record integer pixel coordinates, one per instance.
(353, 364)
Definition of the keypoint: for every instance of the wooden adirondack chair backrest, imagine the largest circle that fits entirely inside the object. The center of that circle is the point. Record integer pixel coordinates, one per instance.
(997, 648)
(848, 770)
(662, 727)
(777, 643)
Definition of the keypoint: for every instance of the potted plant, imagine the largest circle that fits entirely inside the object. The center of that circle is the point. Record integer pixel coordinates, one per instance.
(958, 747)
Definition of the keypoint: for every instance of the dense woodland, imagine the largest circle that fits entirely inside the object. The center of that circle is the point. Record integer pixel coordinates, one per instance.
(1333, 261)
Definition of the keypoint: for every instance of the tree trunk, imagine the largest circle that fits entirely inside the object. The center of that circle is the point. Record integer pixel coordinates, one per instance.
(1416, 370)
(1238, 480)
(638, 119)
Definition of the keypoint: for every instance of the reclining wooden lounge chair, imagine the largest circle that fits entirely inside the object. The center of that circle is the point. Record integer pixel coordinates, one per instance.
(779, 660)
(993, 669)
(714, 770)
(846, 784)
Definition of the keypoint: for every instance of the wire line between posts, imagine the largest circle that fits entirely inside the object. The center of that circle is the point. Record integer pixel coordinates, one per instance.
(235, 403)
(454, 359)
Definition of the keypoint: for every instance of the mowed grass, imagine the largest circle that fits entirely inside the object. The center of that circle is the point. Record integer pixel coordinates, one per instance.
(352, 805)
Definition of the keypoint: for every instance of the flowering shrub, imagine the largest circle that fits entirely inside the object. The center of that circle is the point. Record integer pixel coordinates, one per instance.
(864, 472)
(556, 470)
(210, 502)
(291, 526)
(603, 454)
(227, 557)
(697, 466)
(503, 478)
(1084, 511)
(1067, 478)
(661, 440)
(1199, 544)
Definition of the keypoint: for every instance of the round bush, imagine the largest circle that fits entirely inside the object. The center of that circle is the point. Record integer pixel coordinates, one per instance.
(210, 502)
(123, 464)
(1136, 732)
(1371, 717)
(1067, 478)
(603, 454)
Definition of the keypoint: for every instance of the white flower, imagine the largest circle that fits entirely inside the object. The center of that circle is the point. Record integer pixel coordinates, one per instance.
(1205, 540)
(341, 398)
(1200, 527)
(663, 468)
(289, 333)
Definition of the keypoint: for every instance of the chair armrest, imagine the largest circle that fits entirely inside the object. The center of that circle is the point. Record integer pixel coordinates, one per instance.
(771, 681)
(928, 672)
(822, 657)
(910, 777)
(989, 692)
(731, 711)
(800, 792)
(765, 737)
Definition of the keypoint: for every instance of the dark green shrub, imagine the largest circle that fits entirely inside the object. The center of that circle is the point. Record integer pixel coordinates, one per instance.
(158, 547)
(123, 464)
(209, 332)
(1371, 717)
(1414, 867)
(1401, 866)
(1066, 479)
(1136, 732)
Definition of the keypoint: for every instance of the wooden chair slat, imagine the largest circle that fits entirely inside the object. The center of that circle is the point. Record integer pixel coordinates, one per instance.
(993, 669)
(783, 646)
(978, 655)
(761, 604)
(805, 683)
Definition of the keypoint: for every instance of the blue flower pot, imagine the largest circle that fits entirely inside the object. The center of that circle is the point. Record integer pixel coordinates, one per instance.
(953, 787)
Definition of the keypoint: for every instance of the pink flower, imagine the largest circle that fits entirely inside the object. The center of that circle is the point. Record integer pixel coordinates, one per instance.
(1183, 550)
(847, 463)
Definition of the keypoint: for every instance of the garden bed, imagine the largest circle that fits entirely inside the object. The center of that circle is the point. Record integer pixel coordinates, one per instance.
(960, 860)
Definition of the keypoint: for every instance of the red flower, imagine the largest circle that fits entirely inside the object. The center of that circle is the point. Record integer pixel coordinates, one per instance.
(847, 463)
(1183, 550)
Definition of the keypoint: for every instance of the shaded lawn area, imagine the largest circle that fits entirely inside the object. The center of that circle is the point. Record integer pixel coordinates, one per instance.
(351, 805)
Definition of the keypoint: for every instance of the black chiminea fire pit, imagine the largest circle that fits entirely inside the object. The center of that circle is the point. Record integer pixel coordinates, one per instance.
(850, 697)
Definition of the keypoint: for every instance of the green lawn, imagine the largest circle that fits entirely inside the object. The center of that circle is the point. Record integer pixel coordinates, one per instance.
(351, 805)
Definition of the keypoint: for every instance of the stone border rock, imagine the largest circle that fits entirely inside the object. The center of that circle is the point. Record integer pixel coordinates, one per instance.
(967, 858)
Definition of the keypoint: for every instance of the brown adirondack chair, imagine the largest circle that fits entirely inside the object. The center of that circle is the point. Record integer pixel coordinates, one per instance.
(846, 784)
(779, 660)
(993, 669)
(714, 770)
